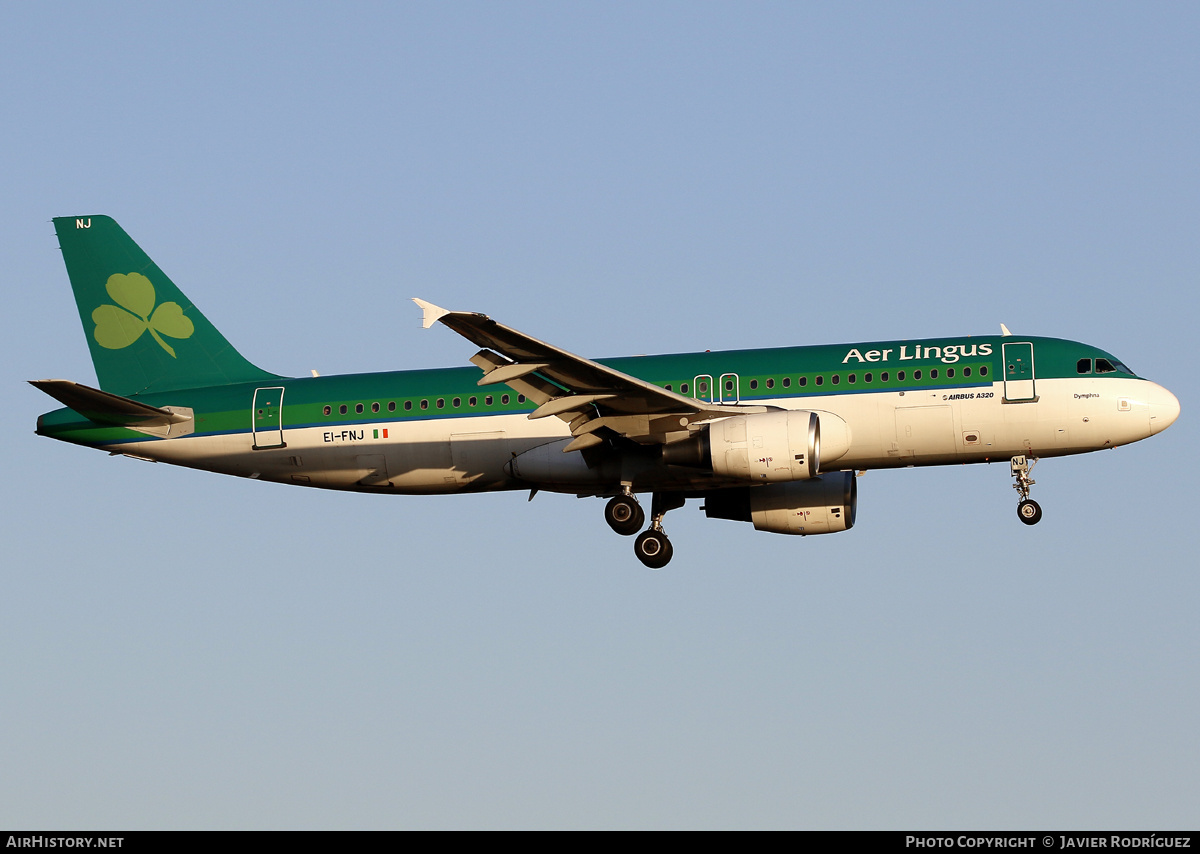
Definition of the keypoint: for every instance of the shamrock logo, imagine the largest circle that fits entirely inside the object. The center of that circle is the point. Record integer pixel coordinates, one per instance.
(117, 328)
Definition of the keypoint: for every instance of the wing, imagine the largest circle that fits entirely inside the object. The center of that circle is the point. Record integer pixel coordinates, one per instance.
(596, 401)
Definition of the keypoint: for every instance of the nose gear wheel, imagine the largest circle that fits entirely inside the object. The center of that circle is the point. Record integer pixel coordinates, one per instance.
(1028, 510)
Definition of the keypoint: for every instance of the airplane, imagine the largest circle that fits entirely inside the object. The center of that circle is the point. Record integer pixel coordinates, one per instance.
(773, 437)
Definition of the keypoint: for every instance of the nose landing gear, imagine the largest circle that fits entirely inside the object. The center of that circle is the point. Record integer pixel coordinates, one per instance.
(1028, 510)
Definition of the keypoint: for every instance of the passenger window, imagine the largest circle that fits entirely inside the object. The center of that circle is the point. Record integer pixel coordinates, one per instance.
(820, 380)
(457, 402)
(328, 410)
(487, 401)
(950, 373)
(504, 399)
(1083, 366)
(408, 406)
(883, 377)
(342, 409)
(441, 403)
(358, 407)
(983, 370)
(836, 379)
(850, 379)
(787, 382)
(374, 407)
(803, 381)
(916, 375)
(683, 388)
(900, 376)
(770, 383)
(520, 398)
(933, 374)
(966, 372)
(753, 384)
(391, 406)
(866, 378)
(473, 401)
(424, 404)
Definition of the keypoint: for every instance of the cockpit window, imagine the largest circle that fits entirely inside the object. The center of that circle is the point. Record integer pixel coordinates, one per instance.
(1108, 366)
(1102, 365)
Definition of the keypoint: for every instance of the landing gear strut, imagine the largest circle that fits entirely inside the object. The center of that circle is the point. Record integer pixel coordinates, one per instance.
(652, 546)
(1028, 510)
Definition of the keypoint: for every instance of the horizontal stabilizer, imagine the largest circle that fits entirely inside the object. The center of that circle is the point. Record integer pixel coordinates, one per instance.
(106, 408)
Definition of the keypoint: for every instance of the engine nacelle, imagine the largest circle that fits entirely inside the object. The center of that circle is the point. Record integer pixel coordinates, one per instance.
(821, 505)
(771, 447)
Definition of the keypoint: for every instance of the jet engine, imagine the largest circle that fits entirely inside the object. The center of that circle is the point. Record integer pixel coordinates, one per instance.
(821, 505)
(771, 447)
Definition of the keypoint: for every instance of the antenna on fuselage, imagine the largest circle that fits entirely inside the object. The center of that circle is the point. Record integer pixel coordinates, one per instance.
(1004, 331)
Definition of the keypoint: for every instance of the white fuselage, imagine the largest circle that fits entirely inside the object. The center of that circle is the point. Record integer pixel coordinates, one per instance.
(886, 429)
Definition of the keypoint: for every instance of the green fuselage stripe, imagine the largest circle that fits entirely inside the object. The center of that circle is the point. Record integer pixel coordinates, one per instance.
(757, 375)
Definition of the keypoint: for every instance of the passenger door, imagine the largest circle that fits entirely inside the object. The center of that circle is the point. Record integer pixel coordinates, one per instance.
(1018, 372)
(266, 418)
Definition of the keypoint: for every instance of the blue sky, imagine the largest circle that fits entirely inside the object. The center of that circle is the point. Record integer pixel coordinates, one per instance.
(183, 650)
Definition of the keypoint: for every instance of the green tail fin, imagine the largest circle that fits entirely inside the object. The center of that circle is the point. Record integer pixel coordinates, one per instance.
(144, 334)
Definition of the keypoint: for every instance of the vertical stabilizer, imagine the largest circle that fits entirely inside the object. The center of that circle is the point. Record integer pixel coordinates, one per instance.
(143, 333)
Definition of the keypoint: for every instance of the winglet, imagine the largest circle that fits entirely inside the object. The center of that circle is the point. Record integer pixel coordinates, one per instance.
(433, 313)
(1004, 330)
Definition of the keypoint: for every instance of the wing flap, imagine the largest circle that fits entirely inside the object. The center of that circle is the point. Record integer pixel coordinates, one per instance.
(533, 387)
(568, 403)
(511, 371)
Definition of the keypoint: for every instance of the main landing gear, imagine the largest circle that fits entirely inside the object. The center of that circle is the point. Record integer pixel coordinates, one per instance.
(624, 515)
(1028, 510)
(653, 548)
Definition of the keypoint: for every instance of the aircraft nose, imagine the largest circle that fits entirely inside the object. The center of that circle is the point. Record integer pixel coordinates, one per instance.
(1164, 409)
